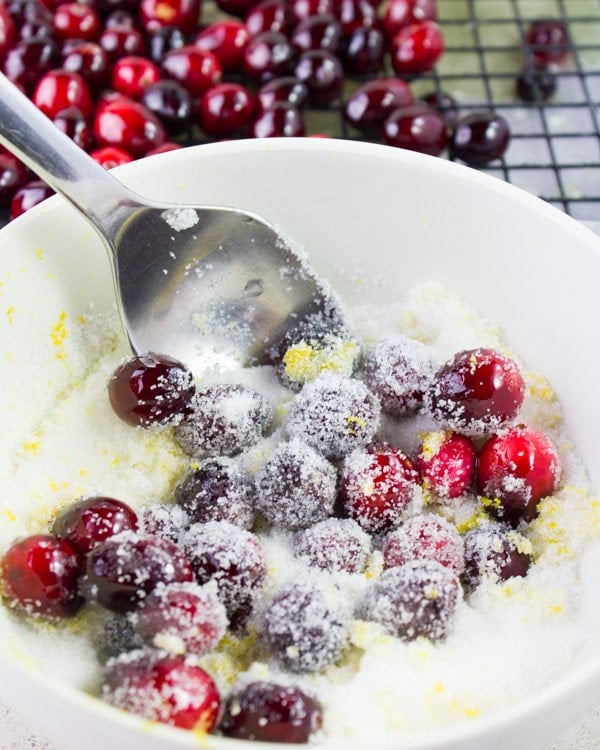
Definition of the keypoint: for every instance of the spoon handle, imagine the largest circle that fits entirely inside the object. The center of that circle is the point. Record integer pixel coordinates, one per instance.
(44, 148)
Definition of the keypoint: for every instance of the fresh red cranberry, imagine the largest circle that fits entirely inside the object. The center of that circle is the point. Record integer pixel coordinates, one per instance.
(535, 84)
(196, 69)
(90, 521)
(121, 571)
(76, 21)
(269, 15)
(128, 125)
(478, 390)
(37, 23)
(370, 103)
(150, 389)
(323, 74)
(8, 32)
(479, 137)
(236, 7)
(168, 689)
(416, 49)
(266, 712)
(425, 537)
(401, 13)
(306, 8)
(119, 19)
(515, 470)
(227, 40)
(225, 110)
(355, 14)
(445, 104)
(495, 552)
(417, 128)
(72, 123)
(132, 75)
(379, 487)
(334, 544)
(91, 62)
(119, 41)
(281, 119)
(163, 40)
(28, 196)
(110, 156)
(171, 103)
(13, 174)
(28, 60)
(268, 55)
(318, 32)
(547, 41)
(40, 576)
(286, 89)
(59, 89)
(446, 462)
(363, 52)
(181, 13)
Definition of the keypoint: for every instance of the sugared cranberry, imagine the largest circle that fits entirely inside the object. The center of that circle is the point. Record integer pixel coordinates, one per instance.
(495, 552)
(119, 41)
(166, 521)
(318, 32)
(268, 55)
(196, 69)
(335, 544)
(355, 14)
(121, 571)
(417, 128)
(269, 15)
(517, 468)
(363, 51)
(28, 60)
(132, 75)
(92, 520)
(306, 624)
(162, 688)
(478, 390)
(226, 109)
(110, 156)
(59, 89)
(76, 21)
(91, 62)
(379, 487)
(420, 598)
(306, 8)
(370, 103)
(40, 576)
(281, 119)
(170, 102)
(181, 13)
(28, 196)
(416, 48)
(227, 40)
(446, 463)
(479, 137)
(547, 41)
(13, 174)
(286, 89)
(535, 84)
(163, 40)
(72, 123)
(401, 13)
(150, 389)
(425, 537)
(266, 712)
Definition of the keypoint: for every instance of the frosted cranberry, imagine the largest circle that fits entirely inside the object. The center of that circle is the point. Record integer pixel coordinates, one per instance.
(415, 49)
(225, 110)
(121, 571)
(495, 552)
(181, 13)
(236, 7)
(227, 40)
(166, 521)
(171, 103)
(91, 62)
(318, 32)
(401, 13)
(417, 128)
(8, 31)
(163, 40)
(268, 55)
(150, 389)
(76, 21)
(323, 74)
(194, 68)
(446, 462)
(286, 89)
(363, 52)
(28, 196)
(266, 712)
(335, 544)
(269, 15)
(109, 156)
(370, 103)
(281, 119)
(478, 390)
(90, 521)
(28, 60)
(13, 174)
(59, 89)
(379, 488)
(162, 688)
(131, 75)
(182, 617)
(420, 598)
(296, 486)
(479, 137)
(130, 126)
(516, 469)
(218, 490)
(425, 537)
(354, 14)
(535, 84)
(547, 40)
(306, 625)
(72, 123)
(40, 576)
(122, 40)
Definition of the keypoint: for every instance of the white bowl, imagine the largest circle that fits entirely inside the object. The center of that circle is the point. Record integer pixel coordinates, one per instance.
(357, 209)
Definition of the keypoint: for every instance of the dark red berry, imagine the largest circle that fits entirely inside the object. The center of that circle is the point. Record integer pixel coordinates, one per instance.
(91, 62)
(29, 195)
(196, 69)
(286, 89)
(495, 552)
(28, 60)
(425, 537)
(268, 55)
(236, 7)
(110, 156)
(416, 49)
(417, 128)
(535, 84)
(73, 123)
(59, 89)
(118, 41)
(76, 21)
(479, 137)
(8, 31)
(401, 13)
(323, 74)
(355, 14)
(446, 463)
(281, 119)
(306, 8)
(132, 75)
(318, 32)
(163, 40)
(183, 14)
(227, 40)
(13, 174)
(92, 520)
(171, 103)
(370, 103)
(547, 41)
(335, 544)
(225, 110)
(269, 15)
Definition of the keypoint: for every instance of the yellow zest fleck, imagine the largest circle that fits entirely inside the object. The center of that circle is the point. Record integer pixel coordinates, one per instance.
(10, 314)
(58, 334)
(32, 447)
(431, 442)
(557, 609)
(10, 515)
(39, 253)
(438, 687)
(303, 362)
(539, 387)
(472, 523)
(81, 319)
(53, 485)
(353, 422)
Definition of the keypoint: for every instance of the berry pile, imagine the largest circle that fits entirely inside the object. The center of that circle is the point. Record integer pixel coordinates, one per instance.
(168, 584)
(128, 78)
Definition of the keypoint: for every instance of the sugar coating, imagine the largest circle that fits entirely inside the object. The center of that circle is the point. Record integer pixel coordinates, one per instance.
(425, 536)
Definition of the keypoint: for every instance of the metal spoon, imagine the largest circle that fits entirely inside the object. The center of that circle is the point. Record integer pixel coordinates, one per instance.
(207, 285)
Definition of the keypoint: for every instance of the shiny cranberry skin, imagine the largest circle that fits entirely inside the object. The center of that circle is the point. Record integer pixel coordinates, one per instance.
(535, 84)
(194, 68)
(446, 463)
(286, 89)
(415, 49)
(121, 571)
(8, 31)
(132, 75)
(227, 40)
(13, 174)
(28, 196)
(268, 55)
(281, 119)
(28, 60)
(367, 107)
(118, 19)
(226, 109)
(90, 521)
(445, 104)
(269, 15)
(517, 468)
(110, 156)
(495, 552)
(150, 389)
(163, 40)
(168, 689)
(478, 390)
(40, 576)
(547, 41)
(401, 13)
(266, 712)
(354, 14)
(91, 62)
(479, 137)
(363, 52)
(169, 101)
(76, 21)
(305, 8)
(121, 40)
(236, 7)
(72, 123)
(32, 20)
(318, 32)
(59, 89)
(128, 125)
(181, 13)
(323, 74)
(417, 128)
